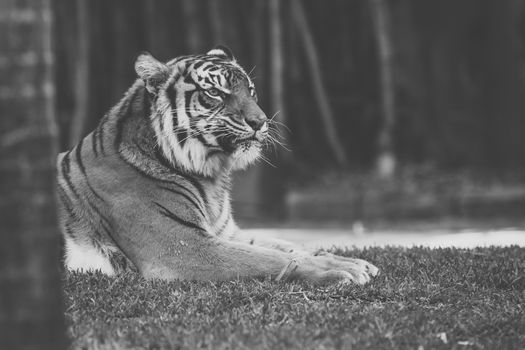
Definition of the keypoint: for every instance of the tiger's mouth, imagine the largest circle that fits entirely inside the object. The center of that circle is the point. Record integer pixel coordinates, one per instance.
(251, 139)
(257, 137)
(231, 143)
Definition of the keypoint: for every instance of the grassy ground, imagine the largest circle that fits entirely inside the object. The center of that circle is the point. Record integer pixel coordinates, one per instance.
(423, 299)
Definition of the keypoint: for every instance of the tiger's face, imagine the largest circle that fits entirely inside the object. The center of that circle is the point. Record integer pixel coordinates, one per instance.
(204, 111)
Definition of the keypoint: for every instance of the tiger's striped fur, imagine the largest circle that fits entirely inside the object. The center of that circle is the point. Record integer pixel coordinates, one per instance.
(149, 188)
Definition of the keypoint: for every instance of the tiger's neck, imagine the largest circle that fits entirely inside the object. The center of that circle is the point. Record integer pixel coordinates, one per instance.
(136, 142)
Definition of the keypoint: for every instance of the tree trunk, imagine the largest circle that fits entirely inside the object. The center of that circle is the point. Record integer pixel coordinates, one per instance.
(276, 61)
(192, 22)
(503, 86)
(153, 27)
(216, 17)
(80, 115)
(31, 315)
(386, 159)
(327, 116)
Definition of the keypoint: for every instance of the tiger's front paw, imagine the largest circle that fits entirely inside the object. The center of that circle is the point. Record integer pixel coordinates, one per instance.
(329, 268)
(369, 268)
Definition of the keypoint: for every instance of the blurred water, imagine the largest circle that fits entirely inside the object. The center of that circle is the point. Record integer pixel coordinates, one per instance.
(327, 238)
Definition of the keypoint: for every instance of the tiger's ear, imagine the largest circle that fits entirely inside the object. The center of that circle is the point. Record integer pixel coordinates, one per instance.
(151, 71)
(221, 51)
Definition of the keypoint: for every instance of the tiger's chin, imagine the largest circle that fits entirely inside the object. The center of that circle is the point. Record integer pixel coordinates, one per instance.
(242, 154)
(246, 153)
(239, 154)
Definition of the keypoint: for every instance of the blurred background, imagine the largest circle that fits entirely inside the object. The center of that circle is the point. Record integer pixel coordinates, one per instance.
(396, 111)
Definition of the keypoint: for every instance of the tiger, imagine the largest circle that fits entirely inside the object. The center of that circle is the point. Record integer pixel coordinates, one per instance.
(148, 190)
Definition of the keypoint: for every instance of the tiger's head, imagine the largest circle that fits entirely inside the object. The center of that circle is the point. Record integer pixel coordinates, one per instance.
(204, 111)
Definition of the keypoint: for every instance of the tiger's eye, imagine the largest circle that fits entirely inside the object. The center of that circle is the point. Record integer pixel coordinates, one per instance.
(213, 92)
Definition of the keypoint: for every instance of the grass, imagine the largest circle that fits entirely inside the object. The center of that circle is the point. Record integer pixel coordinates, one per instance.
(423, 299)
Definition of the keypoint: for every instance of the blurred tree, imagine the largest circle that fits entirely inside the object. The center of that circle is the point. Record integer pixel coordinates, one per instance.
(325, 107)
(273, 179)
(194, 29)
(411, 134)
(82, 74)
(31, 315)
(503, 86)
(154, 26)
(258, 35)
(386, 157)
(276, 60)
(217, 18)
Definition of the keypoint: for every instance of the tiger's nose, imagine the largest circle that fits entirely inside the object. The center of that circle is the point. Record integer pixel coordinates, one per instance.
(257, 121)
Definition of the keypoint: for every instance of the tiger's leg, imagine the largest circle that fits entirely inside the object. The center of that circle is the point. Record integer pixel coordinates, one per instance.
(268, 242)
(89, 254)
(289, 247)
(85, 249)
(208, 258)
(82, 256)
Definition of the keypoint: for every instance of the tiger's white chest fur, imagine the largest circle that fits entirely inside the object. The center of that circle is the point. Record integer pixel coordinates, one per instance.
(218, 210)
